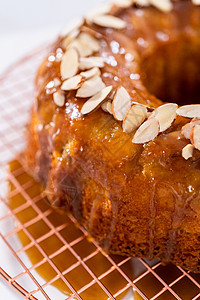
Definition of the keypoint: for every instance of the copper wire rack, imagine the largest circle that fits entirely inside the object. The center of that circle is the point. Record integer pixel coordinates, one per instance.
(150, 280)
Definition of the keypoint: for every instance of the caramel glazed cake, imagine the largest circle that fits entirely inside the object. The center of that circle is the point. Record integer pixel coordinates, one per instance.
(103, 143)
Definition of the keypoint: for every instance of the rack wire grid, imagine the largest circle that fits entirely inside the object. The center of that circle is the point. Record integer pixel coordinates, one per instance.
(150, 280)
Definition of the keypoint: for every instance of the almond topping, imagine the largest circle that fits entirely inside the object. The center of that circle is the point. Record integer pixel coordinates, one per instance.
(147, 131)
(196, 2)
(57, 82)
(53, 83)
(82, 49)
(134, 118)
(187, 151)
(104, 106)
(91, 73)
(96, 100)
(111, 96)
(100, 10)
(90, 87)
(59, 98)
(164, 5)
(69, 64)
(72, 83)
(121, 103)
(141, 2)
(109, 21)
(72, 26)
(186, 129)
(70, 38)
(91, 62)
(195, 136)
(123, 3)
(165, 114)
(189, 111)
(85, 44)
(107, 107)
(90, 41)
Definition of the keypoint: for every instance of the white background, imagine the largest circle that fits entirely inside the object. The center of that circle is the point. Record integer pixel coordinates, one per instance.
(25, 25)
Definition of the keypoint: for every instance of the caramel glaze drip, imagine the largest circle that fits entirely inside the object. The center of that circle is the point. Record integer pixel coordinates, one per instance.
(97, 264)
(139, 200)
(77, 276)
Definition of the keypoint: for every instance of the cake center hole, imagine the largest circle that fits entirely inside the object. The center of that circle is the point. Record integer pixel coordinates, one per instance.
(172, 72)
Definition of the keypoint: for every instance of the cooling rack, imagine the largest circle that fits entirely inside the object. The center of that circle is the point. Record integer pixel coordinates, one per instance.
(149, 280)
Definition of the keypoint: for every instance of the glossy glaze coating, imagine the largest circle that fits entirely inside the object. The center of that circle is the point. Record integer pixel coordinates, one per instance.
(138, 200)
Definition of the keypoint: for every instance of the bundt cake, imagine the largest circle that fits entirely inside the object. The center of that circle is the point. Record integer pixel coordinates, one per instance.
(114, 135)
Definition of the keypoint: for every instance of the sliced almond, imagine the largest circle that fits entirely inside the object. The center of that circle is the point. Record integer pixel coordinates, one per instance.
(141, 2)
(72, 83)
(91, 87)
(165, 114)
(104, 106)
(147, 131)
(89, 40)
(163, 5)
(123, 3)
(70, 38)
(195, 136)
(59, 98)
(109, 21)
(87, 63)
(121, 103)
(53, 83)
(149, 114)
(96, 100)
(111, 96)
(186, 129)
(189, 111)
(72, 26)
(100, 10)
(57, 82)
(134, 118)
(85, 44)
(107, 107)
(187, 151)
(196, 2)
(91, 73)
(82, 49)
(69, 64)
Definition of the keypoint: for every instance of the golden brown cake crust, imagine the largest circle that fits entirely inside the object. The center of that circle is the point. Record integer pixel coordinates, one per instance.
(137, 200)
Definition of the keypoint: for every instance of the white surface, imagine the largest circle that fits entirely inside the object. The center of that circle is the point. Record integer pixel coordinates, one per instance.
(8, 293)
(24, 25)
